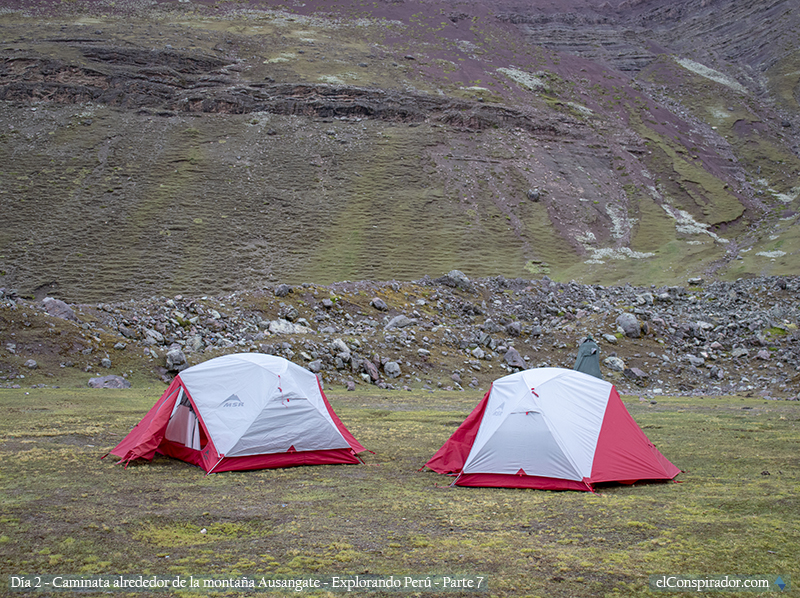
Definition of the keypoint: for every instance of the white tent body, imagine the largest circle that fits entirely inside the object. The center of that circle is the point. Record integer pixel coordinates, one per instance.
(251, 406)
(528, 425)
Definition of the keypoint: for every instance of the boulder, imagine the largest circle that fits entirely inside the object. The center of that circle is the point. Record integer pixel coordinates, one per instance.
(111, 381)
(630, 325)
(315, 366)
(392, 369)
(58, 309)
(455, 278)
(695, 360)
(370, 369)
(176, 360)
(634, 374)
(514, 359)
(339, 346)
(610, 339)
(400, 321)
(282, 290)
(379, 304)
(614, 363)
(281, 326)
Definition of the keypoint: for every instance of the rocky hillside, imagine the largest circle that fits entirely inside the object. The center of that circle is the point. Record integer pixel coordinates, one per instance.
(197, 147)
(444, 334)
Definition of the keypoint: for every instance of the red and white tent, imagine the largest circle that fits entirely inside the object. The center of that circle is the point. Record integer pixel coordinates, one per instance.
(553, 429)
(242, 411)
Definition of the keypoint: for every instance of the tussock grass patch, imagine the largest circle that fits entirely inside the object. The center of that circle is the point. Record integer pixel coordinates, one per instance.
(63, 510)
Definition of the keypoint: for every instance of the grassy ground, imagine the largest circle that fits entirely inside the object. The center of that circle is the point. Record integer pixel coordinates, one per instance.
(64, 511)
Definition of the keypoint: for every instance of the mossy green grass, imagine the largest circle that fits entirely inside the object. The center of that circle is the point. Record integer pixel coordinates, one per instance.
(63, 510)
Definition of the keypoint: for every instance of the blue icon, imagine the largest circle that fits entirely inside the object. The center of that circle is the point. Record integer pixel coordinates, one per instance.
(780, 583)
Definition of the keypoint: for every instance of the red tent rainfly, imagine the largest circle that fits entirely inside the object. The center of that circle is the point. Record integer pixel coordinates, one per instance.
(553, 429)
(243, 411)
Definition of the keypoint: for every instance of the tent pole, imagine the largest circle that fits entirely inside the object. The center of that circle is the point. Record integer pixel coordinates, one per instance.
(210, 471)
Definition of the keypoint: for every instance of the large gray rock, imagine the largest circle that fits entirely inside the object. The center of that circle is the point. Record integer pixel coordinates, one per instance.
(635, 374)
(339, 346)
(455, 278)
(282, 290)
(111, 381)
(176, 360)
(58, 309)
(615, 364)
(513, 329)
(370, 369)
(630, 325)
(379, 304)
(392, 369)
(315, 366)
(154, 336)
(514, 359)
(400, 321)
(285, 327)
(695, 361)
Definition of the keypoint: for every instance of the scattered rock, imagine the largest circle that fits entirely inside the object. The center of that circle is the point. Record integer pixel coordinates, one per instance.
(370, 369)
(281, 326)
(610, 339)
(514, 359)
(111, 381)
(630, 325)
(614, 363)
(455, 278)
(58, 309)
(392, 369)
(31, 364)
(315, 366)
(379, 304)
(700, 343)
(634, 374)
(282, 290)
(695, 361)
(176, 360)
(400, 321)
